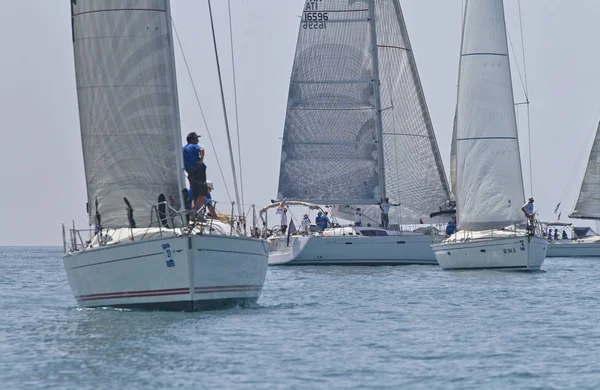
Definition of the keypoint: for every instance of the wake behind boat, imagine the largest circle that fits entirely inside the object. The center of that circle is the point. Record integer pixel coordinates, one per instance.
(357, 132)
(486, 165)
(141, 252)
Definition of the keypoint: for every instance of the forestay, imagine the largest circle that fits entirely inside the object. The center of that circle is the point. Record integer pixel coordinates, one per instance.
(488, 167)
(330, 144)
(588, 203)
(128, 107)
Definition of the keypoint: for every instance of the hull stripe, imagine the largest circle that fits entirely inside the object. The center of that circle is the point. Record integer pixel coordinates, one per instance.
(166, 292)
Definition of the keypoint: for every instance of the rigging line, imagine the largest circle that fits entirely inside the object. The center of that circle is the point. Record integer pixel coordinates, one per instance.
(235, 99)
(235, 185)
(212, 144)
(525, 92)
(523, 48)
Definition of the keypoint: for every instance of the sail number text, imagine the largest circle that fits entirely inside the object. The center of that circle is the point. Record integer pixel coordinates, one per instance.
(315, 20)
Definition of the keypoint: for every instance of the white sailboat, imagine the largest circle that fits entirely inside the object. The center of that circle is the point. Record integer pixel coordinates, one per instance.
(488, 184)
(587, 207)
(141, 254)
(357, 130)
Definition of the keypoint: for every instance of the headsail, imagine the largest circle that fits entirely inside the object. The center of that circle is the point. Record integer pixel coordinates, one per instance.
(329, 152)
(414, 172)
(588, 203)
(128, 107)
(489, 176)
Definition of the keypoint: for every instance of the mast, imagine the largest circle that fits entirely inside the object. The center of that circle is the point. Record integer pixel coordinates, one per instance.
(378, 121)
(176, 120)
(235, 185)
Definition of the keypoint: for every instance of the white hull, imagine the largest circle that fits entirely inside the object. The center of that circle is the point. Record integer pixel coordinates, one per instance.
(573, 249)
(510, 253)
(206, 272)
(352, 250)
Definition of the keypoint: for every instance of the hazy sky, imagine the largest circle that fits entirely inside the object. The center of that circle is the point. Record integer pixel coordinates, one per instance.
(41, 165)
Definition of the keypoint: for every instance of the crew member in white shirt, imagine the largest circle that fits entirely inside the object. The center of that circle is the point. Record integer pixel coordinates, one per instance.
(529, 213)
(385, 209)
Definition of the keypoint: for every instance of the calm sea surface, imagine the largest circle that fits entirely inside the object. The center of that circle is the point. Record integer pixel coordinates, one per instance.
(414, 327)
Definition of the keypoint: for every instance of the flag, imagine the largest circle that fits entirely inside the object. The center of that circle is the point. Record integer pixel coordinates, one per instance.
(421, 221)
(559, 216)
(291, 230)
(557, 206)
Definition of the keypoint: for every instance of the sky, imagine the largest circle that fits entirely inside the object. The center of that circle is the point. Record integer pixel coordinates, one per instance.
(41, 163)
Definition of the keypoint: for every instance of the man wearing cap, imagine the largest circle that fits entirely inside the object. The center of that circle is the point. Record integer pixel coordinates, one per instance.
(193, 162)
(529, 213)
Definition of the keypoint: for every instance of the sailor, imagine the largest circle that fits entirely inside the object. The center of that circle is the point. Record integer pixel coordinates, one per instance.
(385, 205)
(451, 227)
(555, 234)
(208, 203)
(321, 221)
(529, 213)
(357, 217)
(283, 222)
(305, 225)
(564, 235)
(193, 161)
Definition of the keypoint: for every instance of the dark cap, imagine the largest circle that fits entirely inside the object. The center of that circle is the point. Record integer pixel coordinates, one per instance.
(191, 136)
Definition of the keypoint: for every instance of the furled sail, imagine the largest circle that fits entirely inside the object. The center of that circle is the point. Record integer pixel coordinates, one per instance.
(489, 178)
(588, 203)
(330, 145)
(128, 108)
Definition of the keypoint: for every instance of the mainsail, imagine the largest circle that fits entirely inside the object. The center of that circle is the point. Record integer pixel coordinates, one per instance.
(330, 152)
(588, 203)
(489, 182)
(128, 108)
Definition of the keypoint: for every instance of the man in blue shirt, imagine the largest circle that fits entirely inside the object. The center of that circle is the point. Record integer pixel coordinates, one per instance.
(193, 162)
(451, 227)
(321, 221)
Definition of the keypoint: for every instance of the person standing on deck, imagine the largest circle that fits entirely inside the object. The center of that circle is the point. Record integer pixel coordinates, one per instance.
(358, 217)
(385, 205)
(284, 221)
(193, 162)
(529, 213)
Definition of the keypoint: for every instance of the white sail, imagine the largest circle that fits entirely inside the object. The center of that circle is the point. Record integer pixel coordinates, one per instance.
(330, 153)
(489, 177)
(588, 203)
(128, 108)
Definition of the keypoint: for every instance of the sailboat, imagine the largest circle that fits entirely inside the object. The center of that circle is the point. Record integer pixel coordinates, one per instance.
(141, 252)
(587, 207)
(487, 181)
(357, 130)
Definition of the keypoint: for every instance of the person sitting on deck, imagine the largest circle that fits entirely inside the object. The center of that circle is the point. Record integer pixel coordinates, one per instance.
(208, 203)
(321, 221)
(564, 235)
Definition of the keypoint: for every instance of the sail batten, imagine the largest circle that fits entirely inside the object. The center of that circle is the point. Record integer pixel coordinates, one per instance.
(333, 101)
(588, 201)
(129, 116)
(487, 175)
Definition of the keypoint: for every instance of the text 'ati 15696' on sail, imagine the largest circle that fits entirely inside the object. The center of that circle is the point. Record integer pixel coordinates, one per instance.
(313, 18)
